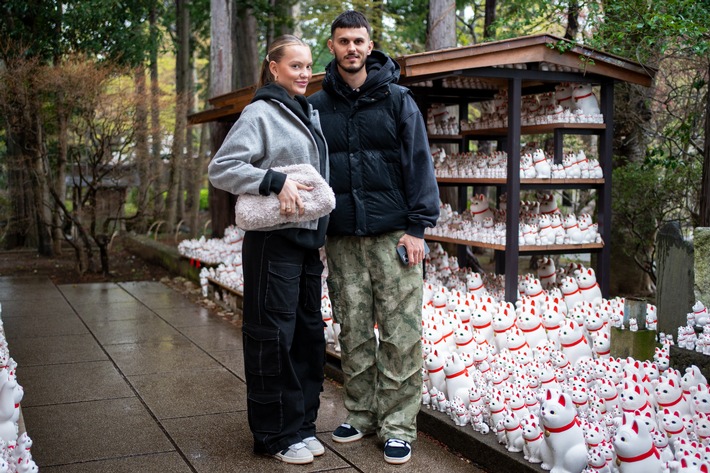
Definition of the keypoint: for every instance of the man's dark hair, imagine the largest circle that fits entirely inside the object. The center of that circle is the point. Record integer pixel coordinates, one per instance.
(351, 19)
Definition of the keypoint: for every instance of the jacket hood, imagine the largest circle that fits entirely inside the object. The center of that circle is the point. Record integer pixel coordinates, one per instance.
(381, 72)
(273, 91)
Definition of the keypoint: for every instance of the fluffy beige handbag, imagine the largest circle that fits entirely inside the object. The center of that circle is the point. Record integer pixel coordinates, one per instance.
(256, 212)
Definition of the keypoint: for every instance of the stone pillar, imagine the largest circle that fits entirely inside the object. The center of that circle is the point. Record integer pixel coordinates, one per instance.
(674, 285)
(701, 242)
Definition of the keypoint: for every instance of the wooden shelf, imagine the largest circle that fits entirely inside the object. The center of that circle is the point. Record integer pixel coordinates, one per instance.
(224, 287)
(581, 248)
(535, 129)
(445, 137)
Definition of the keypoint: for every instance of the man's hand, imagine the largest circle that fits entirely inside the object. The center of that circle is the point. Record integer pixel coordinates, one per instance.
(415, 248)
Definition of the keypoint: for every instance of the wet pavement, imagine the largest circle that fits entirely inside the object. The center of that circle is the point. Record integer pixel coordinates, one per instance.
(134, 377)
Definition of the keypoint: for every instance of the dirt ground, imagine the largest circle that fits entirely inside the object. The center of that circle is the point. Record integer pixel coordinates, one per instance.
(123, 266)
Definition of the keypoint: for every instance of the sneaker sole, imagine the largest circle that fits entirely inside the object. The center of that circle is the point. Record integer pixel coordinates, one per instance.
(397, 461)
(352, 438)
(294, 461)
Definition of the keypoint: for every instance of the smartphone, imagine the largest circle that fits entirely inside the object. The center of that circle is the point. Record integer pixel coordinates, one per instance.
(402, 253)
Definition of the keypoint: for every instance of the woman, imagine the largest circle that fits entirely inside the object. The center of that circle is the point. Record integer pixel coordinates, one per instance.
(284, 345)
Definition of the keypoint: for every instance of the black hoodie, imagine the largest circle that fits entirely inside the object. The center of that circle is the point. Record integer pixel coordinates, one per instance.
(380, 165)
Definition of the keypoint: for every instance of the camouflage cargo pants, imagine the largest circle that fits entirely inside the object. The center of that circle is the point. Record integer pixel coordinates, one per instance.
(368, 285)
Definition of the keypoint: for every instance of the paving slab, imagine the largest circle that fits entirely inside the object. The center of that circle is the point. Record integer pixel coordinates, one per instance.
(138, 288)
(96, 313)
(160, 357)
(95, 293)
(166, 300)
(150, 463)
(42, 326)
(195, 316)
(56, 350)
(135, 331)
(191, 393)
(215, 339)
(41, 307)
(223, 444)
(71, 382)
(233, 360)
(21, 288)
(96, 430)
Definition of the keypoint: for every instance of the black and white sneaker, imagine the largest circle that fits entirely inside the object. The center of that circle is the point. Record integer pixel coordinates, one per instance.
(314, 446)
(397, 451)
(346, 433)
(296, 454)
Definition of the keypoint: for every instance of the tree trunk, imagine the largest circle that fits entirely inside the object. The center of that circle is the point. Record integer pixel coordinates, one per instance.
(243, 38)
(34, 142)
(705, 184)
(181, 70)
(442, 34)
(21, 209)
(199, 168)
(572, 20)
(142, 153)
(155, 183)
(294, 12)
(60, 185)
(194, 173)
(489, 19)
(375, 14)
(246, 37)
(442, 25)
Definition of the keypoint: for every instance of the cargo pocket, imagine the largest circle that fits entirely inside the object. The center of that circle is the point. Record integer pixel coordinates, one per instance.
(312, 287)
(282, 287)
(265, 412)
(261, 350)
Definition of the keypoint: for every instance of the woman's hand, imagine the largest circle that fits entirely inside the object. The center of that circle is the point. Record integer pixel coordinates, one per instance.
(289, 200)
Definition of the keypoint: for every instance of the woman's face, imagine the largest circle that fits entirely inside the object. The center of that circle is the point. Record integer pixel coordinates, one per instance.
(294, 70)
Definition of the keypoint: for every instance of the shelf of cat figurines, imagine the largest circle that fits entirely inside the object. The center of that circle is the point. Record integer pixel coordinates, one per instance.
(536, 169)
(541, 228)
(562, 248)
(549, 182)
(534, 129)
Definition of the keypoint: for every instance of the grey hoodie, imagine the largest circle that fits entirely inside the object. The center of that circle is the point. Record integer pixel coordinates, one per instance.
(266, 135)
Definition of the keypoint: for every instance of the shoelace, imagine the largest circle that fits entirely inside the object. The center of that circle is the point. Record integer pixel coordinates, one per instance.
(396, 443)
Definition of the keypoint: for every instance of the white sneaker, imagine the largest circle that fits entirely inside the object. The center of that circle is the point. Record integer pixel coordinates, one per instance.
(314, 446)
(296, 454)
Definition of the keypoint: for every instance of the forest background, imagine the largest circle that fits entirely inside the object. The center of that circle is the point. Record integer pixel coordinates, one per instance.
(95, 95)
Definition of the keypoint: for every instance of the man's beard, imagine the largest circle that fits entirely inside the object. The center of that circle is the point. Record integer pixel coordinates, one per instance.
(350, 68)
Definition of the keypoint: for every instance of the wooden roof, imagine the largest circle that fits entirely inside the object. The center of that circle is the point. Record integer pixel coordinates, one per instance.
(530, 56)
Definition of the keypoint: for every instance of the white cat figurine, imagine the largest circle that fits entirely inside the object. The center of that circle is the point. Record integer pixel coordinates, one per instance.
(563, 433)
(635, 450)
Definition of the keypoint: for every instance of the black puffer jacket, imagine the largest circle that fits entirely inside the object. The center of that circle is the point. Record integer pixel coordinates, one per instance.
(380, 164)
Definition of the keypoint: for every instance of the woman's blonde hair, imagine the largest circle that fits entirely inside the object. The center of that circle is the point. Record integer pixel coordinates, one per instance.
(276, 52)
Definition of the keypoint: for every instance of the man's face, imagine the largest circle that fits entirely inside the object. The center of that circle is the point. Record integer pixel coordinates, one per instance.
(350, 46)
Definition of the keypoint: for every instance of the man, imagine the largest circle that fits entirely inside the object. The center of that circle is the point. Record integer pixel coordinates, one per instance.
(386, 195)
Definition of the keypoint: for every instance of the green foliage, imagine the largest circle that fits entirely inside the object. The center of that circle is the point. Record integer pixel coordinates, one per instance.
(646, 30)
(525, 17)
(109, 30)
(644, 196)
(403, 26)
(204, 199)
